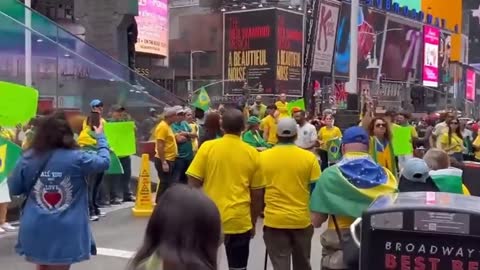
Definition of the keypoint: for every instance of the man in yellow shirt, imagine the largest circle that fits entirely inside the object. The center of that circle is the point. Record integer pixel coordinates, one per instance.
(269, 125)
(288, 230)
(166, 149)
(226, 170)
(282, 106)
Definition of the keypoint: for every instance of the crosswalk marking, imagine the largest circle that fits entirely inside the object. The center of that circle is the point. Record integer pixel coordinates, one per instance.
(118, 253)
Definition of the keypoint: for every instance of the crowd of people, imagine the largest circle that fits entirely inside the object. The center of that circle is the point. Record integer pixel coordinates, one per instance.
(219, 171)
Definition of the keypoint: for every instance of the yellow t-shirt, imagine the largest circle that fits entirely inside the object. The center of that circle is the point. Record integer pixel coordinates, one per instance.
(164, 132)
(84, 138)
(476, 143)
(270, 123)
(288, 172)
(227, 167)
(282, 109)
(326, 134)
(456, 144)
(195, 130)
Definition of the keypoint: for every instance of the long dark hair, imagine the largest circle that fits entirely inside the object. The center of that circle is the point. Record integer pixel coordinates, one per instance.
(450, 131)
(212, 127)
(184, 231)
(53, 132)
(371, 127)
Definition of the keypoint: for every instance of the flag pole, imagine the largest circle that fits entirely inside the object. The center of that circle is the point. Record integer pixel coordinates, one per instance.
(210, 84)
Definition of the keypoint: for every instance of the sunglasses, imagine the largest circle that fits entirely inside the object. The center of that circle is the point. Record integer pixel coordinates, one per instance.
(380, 125)
(453, 123)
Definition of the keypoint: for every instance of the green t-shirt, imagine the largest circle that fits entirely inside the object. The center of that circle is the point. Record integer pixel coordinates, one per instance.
(185, 150)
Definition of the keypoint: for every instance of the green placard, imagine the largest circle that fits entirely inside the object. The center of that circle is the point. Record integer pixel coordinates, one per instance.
(121, 138)
(18, 104)
(402, 140)
(300, 103)
(9, 155)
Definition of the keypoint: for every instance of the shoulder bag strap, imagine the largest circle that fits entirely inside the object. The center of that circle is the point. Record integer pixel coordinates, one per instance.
(337, 229)
(37, 175)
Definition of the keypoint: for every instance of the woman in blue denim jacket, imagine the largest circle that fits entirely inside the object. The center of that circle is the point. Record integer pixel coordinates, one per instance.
(54, 227)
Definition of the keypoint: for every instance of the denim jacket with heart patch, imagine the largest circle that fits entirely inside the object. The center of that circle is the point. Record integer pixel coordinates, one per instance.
(54, 226)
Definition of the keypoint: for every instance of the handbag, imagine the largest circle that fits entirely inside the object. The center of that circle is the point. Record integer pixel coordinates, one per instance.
(351, 252)
(37, 175)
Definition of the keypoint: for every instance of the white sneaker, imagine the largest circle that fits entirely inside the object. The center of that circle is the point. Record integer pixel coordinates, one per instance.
(2, 231)
(8, 227)
(94, 218)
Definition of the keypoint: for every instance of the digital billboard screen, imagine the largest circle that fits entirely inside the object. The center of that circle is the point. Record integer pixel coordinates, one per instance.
(263, 50)
(152, 23)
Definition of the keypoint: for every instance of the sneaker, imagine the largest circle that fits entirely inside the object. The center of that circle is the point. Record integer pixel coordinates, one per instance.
(116, 201)
(130, 198)
(8, 227)
(2, 231)
(94, 218)
(102, 214)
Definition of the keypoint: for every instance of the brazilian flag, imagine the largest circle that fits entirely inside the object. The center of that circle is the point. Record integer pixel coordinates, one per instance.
(10, 153)
(333, 149)
(350, 186)
(202, 101)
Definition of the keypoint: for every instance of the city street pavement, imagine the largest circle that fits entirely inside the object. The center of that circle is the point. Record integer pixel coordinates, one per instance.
(119, 234)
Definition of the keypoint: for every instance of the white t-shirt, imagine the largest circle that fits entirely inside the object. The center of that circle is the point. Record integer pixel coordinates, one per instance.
(306, 136)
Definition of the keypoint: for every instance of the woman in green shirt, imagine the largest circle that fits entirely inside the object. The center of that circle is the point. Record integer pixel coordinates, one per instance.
(253, 136)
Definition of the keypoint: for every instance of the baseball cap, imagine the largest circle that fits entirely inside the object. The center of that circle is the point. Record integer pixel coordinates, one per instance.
(179, 109)
(355, 135)
(96, 103)
(253, 120)
(296, 109)
(286, 127)
(415, 170)
(169, 111)
(152, 110)
(118, 108)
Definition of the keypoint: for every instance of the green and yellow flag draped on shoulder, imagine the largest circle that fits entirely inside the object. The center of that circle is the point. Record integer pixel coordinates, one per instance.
(10, 153)
(350, 186)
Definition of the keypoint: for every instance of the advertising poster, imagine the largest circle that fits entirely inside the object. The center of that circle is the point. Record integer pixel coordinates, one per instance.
(470, 85)
(402, 55)
(407, 250)
(431, 41)
(371, 26)
(152, 23)
(325, 43)
(473, 23)
(444, 54)
(250, 51)
(339, 98)
(289, 53)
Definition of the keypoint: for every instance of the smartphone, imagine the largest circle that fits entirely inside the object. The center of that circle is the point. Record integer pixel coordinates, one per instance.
(94, 120)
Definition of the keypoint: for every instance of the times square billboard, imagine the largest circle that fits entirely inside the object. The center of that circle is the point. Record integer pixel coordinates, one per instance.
(263, 48)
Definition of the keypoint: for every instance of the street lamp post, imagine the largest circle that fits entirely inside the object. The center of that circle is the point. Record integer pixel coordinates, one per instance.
(352, 83)
(191, 69)
(28, 43)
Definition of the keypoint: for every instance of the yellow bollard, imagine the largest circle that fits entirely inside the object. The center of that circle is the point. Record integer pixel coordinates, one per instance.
(144, 203)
